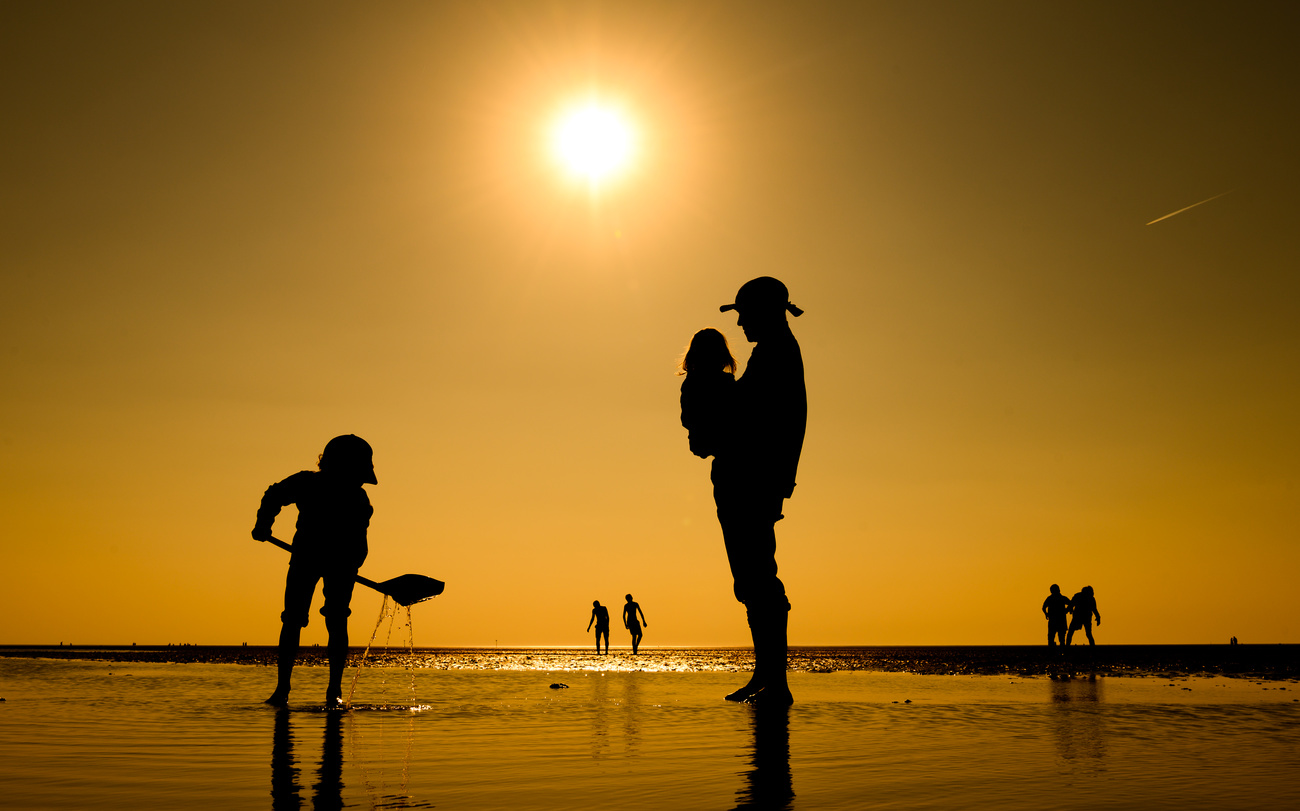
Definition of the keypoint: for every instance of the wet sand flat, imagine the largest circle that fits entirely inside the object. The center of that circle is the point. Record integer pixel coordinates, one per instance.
(93, 733)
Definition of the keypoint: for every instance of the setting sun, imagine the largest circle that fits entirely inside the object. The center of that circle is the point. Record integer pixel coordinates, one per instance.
(593, 142)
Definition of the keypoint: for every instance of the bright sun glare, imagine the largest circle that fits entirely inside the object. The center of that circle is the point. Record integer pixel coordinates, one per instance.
(594, 142)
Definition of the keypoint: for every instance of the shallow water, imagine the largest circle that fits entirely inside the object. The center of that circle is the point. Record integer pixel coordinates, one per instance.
(94, 734)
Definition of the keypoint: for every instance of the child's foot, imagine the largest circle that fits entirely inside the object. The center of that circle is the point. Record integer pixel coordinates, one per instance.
(280, 698)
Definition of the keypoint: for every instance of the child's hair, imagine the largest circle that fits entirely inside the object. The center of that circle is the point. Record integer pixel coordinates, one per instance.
(708, 351)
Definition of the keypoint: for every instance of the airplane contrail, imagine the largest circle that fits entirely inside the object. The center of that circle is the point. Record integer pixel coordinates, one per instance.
(1193, 205)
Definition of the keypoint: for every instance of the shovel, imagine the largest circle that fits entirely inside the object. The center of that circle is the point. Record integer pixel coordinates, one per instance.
(408, 589)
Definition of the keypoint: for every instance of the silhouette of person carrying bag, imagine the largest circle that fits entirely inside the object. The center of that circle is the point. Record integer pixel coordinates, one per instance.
(755, 459)
(329, 544)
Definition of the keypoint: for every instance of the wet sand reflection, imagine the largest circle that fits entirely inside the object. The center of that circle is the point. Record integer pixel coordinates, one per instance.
(1079, 721)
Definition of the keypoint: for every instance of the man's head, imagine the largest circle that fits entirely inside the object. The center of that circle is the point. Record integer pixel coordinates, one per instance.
(349, 455)
(595, 603)
(761, 305)
(1055, 589)
(629, 598)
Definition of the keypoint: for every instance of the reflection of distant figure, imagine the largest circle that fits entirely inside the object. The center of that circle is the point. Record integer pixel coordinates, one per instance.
(1079, 716)
(600, 616)
(1083, 607)
(1055, 607)
(630, 612)
(707, 391)
(330, 544)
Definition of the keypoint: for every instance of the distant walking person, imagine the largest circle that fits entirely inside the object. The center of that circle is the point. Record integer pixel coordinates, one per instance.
(630, 612)
(600, 616)
(708, 392)
(753, 473)
(1083, 607)
(329, 544)
(1055, 607)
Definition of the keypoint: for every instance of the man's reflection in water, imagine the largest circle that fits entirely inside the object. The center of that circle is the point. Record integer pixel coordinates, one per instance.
(768, 784)
(327, 792)
(1079, 721)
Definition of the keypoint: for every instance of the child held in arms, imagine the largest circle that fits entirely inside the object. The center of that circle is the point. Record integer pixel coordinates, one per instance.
(329, 544)
(707, 391)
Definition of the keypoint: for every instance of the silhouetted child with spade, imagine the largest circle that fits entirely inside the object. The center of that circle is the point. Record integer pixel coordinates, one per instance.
(329, 544)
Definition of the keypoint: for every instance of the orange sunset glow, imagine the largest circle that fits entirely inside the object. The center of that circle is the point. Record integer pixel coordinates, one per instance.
(1043, 343)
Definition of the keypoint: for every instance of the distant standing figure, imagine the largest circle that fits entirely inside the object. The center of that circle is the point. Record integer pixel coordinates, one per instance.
(1083, 607)
(630, 612)
(600, 616)
(754, 472)
(1055, 608)
(329, 544)
(708, 391)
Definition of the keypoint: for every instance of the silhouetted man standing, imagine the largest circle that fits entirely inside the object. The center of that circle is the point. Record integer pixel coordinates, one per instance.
(754, 472)
(1055, 608)
(600, 616)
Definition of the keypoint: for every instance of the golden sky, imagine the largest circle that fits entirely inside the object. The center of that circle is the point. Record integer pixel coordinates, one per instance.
(234, 230)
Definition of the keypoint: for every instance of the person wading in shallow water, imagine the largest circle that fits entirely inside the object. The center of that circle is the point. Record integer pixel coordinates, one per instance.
(600, 616)
(754, 472)
(329, 544)
(630, 611)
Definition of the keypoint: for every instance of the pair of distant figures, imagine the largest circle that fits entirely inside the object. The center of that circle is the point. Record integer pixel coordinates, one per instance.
(1081, 608)
(631, 613)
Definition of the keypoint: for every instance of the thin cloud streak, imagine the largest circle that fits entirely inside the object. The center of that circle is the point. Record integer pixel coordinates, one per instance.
(1193, 205)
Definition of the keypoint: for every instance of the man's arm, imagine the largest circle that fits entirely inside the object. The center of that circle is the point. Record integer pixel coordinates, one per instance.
(646, 624)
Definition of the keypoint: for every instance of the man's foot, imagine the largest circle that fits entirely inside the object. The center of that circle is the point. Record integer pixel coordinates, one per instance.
(280, 698)
(745, 692)
(767, 697)
(334, 699)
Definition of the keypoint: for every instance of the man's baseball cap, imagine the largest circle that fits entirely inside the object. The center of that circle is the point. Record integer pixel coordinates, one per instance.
(764, 292)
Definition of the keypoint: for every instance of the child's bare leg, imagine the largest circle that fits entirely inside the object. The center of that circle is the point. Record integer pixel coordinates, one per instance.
(287, 653)
(338, 655)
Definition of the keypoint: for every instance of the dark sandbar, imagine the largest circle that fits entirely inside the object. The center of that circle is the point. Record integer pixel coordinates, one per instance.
(1271, 662)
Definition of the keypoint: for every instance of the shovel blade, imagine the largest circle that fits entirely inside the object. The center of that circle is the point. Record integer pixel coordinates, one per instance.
(410, 589)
